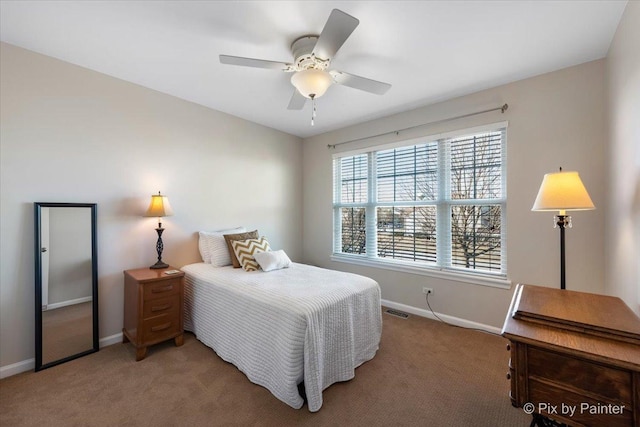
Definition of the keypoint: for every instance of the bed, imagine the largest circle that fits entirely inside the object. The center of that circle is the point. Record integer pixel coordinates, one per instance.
(301, 324)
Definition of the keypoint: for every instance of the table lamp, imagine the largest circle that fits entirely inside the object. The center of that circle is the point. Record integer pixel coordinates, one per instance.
(159, 207)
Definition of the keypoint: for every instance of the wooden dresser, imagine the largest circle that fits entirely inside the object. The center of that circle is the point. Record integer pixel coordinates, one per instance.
(152, 308)
(575, 357)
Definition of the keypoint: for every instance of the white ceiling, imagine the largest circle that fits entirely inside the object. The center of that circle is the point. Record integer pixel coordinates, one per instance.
(428, 50)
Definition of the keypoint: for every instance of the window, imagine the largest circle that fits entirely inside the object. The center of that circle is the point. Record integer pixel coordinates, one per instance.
(438, 203)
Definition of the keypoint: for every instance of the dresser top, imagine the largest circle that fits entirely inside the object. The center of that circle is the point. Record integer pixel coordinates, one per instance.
(597, 327)
(571, 309)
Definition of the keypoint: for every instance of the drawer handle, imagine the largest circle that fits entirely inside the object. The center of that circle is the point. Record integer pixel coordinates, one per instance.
(508, 347)
(160, 307)
(161, 327)
(164, 289)
(508, 375)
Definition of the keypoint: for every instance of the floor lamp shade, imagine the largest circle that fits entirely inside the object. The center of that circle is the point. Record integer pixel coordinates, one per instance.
(159, 207)
(562, 192)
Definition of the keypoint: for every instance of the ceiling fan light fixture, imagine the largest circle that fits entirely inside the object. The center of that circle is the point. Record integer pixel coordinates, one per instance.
(312, 83)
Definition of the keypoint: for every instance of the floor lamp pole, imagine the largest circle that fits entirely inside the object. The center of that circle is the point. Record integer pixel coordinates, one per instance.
(562, 225)
(562, 221)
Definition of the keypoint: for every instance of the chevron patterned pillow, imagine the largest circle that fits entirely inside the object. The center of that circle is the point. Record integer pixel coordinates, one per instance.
(245, 249)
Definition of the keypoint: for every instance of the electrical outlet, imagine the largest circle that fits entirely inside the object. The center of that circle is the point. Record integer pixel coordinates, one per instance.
(427, 291)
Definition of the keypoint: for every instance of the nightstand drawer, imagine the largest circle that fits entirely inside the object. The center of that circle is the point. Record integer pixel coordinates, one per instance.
(158, 306)
(160, 328)
(160, 289)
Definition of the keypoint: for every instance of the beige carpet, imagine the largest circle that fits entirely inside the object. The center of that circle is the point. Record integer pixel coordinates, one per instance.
(425, 374)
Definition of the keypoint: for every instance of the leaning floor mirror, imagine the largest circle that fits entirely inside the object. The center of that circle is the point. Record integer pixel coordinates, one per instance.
(66, 280)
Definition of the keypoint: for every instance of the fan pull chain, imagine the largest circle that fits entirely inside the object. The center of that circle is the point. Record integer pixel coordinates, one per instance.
(313, 108)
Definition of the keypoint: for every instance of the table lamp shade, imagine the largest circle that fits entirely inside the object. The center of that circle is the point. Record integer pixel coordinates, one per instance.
(159, 206)
(562, 191)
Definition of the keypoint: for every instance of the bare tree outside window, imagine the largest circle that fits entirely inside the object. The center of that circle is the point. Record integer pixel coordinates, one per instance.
(354, 235)
(476, 175)
(475, 237)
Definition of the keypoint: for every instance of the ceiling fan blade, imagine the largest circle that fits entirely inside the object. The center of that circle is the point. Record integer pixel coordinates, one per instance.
(336, 31)
(297, 101)
(362, 83)
(251, 62)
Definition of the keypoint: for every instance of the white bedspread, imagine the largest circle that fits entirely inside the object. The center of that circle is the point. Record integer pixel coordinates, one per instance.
(287, 325)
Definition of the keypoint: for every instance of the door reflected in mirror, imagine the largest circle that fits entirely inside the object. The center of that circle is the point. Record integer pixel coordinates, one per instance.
(66, 282)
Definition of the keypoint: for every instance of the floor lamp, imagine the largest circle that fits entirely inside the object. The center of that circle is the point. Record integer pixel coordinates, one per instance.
(562, 191)
(159, 207)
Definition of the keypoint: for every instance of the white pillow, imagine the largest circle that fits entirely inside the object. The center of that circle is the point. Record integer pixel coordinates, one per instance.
(213, 248)
(272, 260)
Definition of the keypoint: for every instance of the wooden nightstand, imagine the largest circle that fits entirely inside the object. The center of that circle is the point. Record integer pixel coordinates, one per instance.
(152, 308)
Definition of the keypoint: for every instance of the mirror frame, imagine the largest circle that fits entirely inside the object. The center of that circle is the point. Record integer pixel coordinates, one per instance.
(38, 281)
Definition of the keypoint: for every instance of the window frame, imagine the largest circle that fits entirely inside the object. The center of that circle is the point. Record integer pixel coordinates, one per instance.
(443, 204)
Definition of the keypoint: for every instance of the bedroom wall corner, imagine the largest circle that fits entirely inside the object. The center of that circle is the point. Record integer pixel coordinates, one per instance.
(623, 142)
(555, 119)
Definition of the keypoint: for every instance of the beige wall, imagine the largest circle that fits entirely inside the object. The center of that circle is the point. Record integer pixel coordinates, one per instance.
(623, 215)
(556, 119)
(72, 135)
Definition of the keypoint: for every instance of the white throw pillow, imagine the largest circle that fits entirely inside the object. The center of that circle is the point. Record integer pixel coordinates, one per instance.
(273, 260)
(213, 248)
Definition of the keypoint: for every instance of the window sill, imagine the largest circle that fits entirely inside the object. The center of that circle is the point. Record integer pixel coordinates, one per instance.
(475, 279)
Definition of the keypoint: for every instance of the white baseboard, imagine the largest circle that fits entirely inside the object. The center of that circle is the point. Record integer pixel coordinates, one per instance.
(17, 368)
(449, 319)
(113, 339)
(67, 303)
(30, 364)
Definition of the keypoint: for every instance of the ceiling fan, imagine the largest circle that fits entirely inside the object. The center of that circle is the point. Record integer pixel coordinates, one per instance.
(312, 57)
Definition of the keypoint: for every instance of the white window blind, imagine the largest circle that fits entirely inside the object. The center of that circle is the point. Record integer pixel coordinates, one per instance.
(439, 203)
